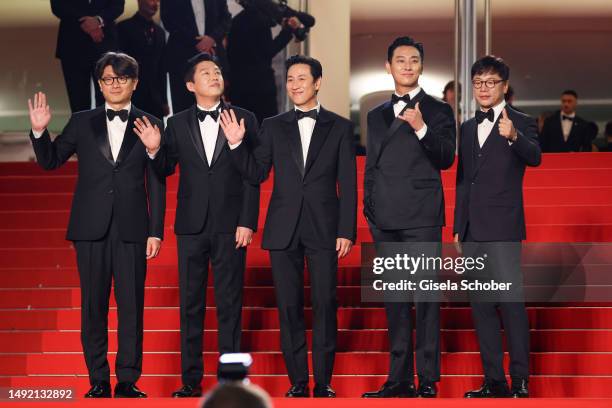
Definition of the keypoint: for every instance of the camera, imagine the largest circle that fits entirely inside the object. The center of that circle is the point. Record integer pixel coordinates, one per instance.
(279, 11)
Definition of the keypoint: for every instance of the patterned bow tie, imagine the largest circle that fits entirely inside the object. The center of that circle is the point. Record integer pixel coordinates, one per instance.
(567, 118)
(310, 114)
(395, 99)
(481, 116)
(122, 114)
(214, 114)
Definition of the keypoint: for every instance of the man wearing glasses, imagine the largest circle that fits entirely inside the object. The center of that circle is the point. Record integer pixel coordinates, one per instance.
(117, 217)
(494, 148)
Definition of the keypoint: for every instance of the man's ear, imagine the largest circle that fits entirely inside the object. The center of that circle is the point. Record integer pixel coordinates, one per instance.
(388, 67)
(190, 86)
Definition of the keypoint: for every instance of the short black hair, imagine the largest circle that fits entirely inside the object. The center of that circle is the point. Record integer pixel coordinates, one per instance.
(405, 41)
(570, 92)
(316, 69)
(608, 129)
(236, 395)
(491, 64)
(122, 64)
(192, 62)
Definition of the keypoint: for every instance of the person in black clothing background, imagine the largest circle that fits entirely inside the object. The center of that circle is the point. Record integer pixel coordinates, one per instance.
(143, 39)
(86, 31)
(250, 51)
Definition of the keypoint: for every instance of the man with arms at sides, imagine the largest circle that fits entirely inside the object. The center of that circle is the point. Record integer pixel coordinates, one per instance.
(410, 139)
(312, 215)
(195, 26)
(564, 131)
(143, 39)
(117, 217)
(216, 214)
(494, 148)
(86, 31)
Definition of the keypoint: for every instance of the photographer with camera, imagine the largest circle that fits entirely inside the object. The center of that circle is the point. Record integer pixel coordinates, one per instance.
(251, 48)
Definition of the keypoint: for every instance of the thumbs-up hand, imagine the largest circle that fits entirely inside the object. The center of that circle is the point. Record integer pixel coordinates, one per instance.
(414, 117)
(506, 127)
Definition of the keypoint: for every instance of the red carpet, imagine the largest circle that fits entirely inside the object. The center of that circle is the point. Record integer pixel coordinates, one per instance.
(568, 199)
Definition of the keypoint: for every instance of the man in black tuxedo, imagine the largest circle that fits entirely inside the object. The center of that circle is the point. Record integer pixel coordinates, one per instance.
(195, 26)
(117, 217)
(143, 39)
(312, 214)
(410, 139)
(86, 31)
(216, 214)
(250, 50)
(564, 131)
(494, 149)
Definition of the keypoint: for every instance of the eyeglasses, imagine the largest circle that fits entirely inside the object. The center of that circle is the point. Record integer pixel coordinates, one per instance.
(489, 83)
(111, 80)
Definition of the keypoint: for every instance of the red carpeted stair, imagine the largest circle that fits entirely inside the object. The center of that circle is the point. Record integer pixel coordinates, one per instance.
(568, 199)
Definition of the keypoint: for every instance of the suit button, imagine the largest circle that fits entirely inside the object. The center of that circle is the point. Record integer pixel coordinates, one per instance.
(479, 154)
(110, 191)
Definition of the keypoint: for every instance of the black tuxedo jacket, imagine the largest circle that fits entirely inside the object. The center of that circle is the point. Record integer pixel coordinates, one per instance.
(326, 187)
(72, 42)
(489, 193)
(402, 183)
(179, 21)
(127, 189)
(148, 50)
(579, 139)
(219, 190)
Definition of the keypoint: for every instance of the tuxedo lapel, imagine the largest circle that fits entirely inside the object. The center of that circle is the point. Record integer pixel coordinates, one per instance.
(129, 138)
(221, 139)
(322, 127)
(295, 143)
(100, 133)
(194, 133)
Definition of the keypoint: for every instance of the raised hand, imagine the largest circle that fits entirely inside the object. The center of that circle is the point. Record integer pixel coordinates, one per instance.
(234, 130)
(149, 134)
(414, 117)
(506, 127)
(40, 114)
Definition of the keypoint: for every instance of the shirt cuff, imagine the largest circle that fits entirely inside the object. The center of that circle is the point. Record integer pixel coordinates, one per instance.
(159, 239)
(233, 146)
(421, 132)
(37, 135)
(152, 155)
(100, 20)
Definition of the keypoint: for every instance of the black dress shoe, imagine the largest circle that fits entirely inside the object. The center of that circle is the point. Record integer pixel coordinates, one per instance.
(490, 390)
(298, 391)
(323, 391)
(393, 389)
(519, 389)
(99, 390)
(427, 389)
(187, 391)
(128, 390)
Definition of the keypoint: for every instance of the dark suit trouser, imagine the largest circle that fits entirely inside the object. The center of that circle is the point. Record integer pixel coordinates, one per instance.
(514, 316)
(288, 274)
(99, 262)
(77, 77)
(400, 324)
(181, 97)
(228, 263)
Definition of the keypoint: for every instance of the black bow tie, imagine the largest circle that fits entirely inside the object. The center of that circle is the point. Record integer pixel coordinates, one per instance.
(312, 114)
(395, 99)
(567, 118)
(481, 116)
(214, 114)
(122, 114)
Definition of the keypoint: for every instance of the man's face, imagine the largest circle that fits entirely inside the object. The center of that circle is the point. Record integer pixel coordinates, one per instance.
(405, 66)
(207, 80)
(568, 104)
(117, 89)
(148, 7)
(301, 86)
(486, 96)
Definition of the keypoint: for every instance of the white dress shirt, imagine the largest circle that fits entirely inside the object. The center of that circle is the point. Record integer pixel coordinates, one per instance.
(306, 126)
(485, 127)
(116, 130)
(209, 129)
(566, 125)
(400, 105)
(200, 15)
